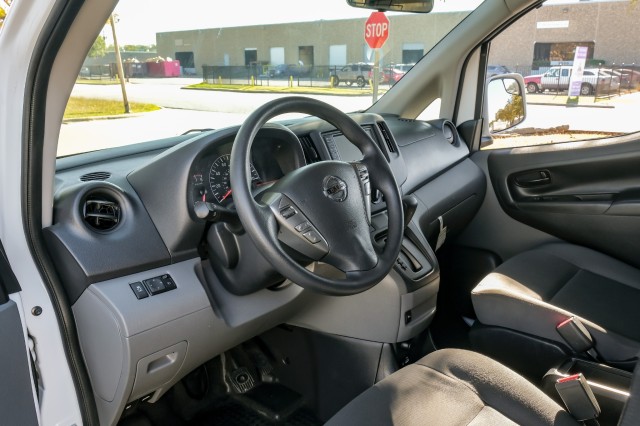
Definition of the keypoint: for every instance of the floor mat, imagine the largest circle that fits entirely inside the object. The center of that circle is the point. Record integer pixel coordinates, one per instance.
(232, 413)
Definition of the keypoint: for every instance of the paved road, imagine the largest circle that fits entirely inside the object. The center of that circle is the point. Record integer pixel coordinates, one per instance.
(169, 93)
(183, 110)
(189, 109)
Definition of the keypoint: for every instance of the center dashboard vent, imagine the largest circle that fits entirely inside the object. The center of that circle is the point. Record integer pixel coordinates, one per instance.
(101, 212)
(449, 132)
(386, 134)
(95, 176)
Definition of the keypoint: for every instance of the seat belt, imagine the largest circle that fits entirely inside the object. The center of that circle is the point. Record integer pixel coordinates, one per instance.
(578, 338)
(576, 335)
(8, 281)
(579, 399)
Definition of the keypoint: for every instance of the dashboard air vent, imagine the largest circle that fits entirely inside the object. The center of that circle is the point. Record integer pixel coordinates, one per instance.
(95, 176)
(310, 153)
(101, 212)
(386, 134)
(449, 132)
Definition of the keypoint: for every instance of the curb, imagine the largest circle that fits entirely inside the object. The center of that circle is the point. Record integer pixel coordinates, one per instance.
(302, 92)
(570, 106)
(106, 117)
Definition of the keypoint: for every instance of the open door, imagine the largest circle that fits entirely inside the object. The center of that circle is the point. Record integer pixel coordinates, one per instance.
(17, 399)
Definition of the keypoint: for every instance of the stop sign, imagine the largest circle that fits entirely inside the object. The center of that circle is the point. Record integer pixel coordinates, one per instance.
(376, 30)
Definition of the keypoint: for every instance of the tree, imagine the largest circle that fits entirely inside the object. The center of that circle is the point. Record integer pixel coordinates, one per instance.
(139, 48)
(3, 15)
(98, 49)
(511, 114)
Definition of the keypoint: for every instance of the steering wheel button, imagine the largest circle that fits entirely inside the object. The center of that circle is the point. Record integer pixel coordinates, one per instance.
(312, 236)
(287, 212)
(302, 227)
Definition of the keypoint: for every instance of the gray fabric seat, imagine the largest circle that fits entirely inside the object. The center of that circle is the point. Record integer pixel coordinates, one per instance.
(536, 290)
(453, 387)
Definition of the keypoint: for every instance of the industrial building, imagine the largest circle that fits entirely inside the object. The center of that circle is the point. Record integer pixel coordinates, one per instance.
(545, 36)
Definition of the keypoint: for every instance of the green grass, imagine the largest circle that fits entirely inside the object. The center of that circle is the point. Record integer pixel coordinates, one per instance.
(284, 89)
(87, 108)
(107, 82)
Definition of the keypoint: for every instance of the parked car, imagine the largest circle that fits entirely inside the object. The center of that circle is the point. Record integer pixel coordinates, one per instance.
(493, 70)
(356, 73)
(533, 83)
(393, 73)
(629, 78)
(289, 70)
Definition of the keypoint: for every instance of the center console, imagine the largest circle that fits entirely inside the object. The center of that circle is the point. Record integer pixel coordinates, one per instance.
(610, 386)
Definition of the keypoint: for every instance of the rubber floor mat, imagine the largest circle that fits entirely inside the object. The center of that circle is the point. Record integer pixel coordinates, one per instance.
(235, 414)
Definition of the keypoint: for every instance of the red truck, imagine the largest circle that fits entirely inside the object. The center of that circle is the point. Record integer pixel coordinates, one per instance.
(533, 83)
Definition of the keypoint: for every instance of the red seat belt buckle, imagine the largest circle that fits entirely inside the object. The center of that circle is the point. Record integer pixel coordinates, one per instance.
(578, 397)
(575, 334)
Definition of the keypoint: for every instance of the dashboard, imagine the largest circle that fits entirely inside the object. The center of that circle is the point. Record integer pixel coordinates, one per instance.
(275, 153)
(157, 291)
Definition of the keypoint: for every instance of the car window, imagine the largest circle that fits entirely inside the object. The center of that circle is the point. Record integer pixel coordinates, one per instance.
(546, 39)
(232, 62)
(4, 11)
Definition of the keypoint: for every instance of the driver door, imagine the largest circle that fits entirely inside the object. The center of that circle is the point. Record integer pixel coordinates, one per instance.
(17, 399)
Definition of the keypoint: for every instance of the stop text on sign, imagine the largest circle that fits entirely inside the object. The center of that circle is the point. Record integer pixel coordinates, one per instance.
(376, 30)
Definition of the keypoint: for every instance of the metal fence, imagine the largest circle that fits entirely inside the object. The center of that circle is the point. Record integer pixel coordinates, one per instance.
(611, 80)
(110, 71)
(98, 72)
(281, 75)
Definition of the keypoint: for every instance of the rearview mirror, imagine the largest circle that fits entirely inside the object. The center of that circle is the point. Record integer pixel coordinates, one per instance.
(414, 6)
(506, 105)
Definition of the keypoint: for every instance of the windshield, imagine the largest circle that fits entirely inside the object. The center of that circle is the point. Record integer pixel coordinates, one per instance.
(157, 70)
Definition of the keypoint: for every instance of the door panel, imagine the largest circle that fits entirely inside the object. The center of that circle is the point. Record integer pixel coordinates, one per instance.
(587, 193)
(17, 403)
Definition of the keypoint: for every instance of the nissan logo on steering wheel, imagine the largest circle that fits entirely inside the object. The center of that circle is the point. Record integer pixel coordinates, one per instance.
(334, 188)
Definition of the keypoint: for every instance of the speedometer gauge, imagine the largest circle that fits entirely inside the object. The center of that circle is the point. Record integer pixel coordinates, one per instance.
(219, 178)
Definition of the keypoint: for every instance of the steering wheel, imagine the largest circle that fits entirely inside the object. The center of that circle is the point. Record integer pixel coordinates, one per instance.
(320, 210)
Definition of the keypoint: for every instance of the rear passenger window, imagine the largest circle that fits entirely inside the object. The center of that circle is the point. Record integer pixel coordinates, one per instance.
(542, 46)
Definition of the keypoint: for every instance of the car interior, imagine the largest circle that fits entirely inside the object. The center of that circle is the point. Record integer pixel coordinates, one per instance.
(373, 267)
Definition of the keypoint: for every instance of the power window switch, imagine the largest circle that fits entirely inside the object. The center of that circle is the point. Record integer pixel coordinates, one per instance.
(139, 290)
(168, 282)
(155, 285)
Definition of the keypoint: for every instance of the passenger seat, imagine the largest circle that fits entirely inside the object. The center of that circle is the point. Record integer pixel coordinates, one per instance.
(535, 291)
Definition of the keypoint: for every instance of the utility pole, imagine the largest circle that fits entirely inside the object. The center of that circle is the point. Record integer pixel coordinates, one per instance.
(376, 74)
(119, 66)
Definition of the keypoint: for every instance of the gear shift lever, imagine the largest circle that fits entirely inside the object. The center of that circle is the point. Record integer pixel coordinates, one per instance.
(409, 206)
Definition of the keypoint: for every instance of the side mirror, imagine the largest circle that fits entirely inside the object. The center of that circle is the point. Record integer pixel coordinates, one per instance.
(505, 102)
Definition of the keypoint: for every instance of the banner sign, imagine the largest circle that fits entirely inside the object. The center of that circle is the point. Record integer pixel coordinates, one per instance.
(578, 69)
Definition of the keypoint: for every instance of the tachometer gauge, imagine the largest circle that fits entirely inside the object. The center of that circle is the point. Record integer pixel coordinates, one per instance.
(219, 178)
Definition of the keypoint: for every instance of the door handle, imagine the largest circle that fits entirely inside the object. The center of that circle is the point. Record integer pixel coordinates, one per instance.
(536, 178)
